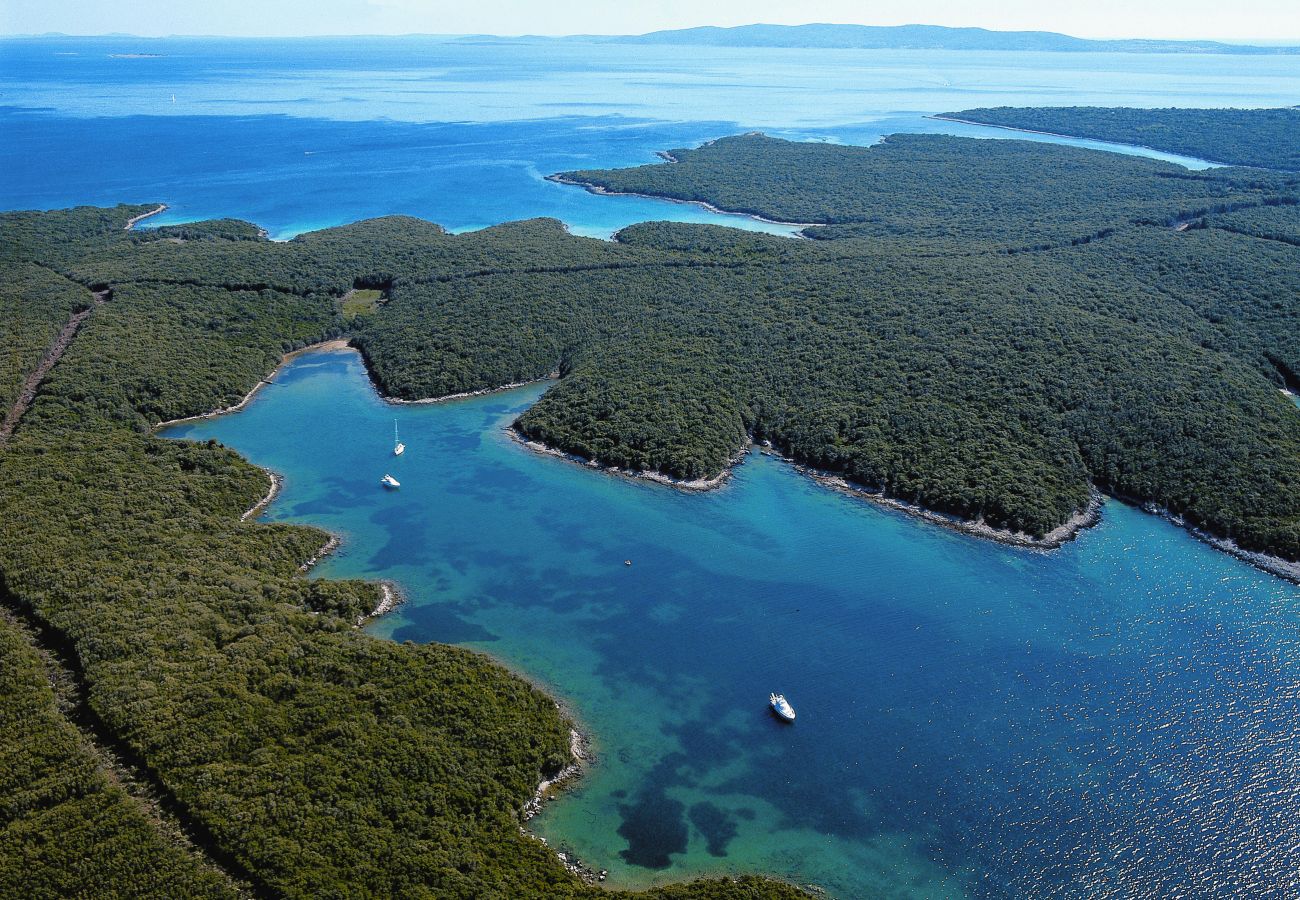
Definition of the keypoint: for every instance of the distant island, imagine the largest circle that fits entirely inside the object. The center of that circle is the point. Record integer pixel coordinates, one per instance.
(810, 37)
(908, 37)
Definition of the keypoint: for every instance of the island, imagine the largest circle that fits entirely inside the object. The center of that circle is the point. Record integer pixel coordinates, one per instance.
(993, 333)
(1267, 138)
(830, 36)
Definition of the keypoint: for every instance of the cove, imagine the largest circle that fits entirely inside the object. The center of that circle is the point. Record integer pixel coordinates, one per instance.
(1117, 717)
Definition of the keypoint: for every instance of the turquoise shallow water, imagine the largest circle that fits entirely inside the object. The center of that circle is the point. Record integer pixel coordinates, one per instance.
(1116, 718)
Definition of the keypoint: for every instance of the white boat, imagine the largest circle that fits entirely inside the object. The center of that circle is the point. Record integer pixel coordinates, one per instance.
(781, 707)
(398, 447)
(389, 481)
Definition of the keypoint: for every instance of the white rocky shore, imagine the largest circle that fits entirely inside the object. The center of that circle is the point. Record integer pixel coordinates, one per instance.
(549, 789)
(685, 484)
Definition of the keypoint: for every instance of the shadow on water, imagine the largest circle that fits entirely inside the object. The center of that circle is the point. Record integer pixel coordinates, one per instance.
(973, 719)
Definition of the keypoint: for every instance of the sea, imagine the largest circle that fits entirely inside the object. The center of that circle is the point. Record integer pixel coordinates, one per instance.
(1116, 718)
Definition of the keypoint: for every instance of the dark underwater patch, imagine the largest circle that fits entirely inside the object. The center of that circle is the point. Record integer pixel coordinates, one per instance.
(716, 825)
(654, 829)
(439, 622)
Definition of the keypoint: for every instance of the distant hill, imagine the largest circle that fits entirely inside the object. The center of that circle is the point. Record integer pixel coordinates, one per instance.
(918, 37)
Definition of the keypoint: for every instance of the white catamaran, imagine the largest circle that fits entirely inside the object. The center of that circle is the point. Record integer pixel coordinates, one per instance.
(398, 447)
(781, 707)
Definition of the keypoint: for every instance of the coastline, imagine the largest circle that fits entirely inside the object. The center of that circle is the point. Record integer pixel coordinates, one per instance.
(391, 596)
(606, 192)
(131, 222)
(1059, 536)
(277, 483)
(463, 395)
(549, 789)
(682, 484)
(1079, 137)
(331, 545)
(1064, 533)
(1273, 565)
(329, 346)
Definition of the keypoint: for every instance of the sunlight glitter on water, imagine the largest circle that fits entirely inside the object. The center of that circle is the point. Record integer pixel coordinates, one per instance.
(1116, 718)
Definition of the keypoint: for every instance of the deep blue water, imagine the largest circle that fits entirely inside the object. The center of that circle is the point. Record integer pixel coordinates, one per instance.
(296, 135)
(1115, 718)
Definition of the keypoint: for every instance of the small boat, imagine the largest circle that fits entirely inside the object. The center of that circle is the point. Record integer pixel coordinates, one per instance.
(781, 707)
(398, 447)
(389, 481)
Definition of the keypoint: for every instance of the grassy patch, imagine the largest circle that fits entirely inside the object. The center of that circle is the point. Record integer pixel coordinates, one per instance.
(361, 302)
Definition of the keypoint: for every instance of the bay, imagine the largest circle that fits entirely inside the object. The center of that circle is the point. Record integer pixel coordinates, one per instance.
(1114, 718)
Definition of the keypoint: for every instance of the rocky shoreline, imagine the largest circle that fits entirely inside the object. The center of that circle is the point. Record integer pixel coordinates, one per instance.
(606, 192)
(1060, 535)
(1273, 565)
(331, 545)
(322, 347)
(463, 395)
(683, 484)
(277, 483)
(550, 789)
(390, 597)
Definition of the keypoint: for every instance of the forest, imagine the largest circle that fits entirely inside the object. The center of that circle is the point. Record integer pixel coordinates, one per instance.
(943, 194)
(993, 340)
(303, 757)
(1267, 138)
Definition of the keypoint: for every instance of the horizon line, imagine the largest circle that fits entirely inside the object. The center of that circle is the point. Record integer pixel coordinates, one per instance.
(1256, 42)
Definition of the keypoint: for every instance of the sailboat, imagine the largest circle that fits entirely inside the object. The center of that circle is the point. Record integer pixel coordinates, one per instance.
(398, 447)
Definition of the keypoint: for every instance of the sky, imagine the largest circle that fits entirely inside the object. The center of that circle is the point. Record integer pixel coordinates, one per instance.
(1239, 20)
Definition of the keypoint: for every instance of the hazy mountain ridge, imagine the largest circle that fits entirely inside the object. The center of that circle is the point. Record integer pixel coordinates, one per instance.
(905, 37)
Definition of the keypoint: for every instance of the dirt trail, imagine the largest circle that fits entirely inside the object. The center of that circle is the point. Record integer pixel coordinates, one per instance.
(52, 355)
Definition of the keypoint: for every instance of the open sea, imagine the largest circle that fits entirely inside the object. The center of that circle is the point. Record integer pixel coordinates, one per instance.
(1117, 718)
(297, 135)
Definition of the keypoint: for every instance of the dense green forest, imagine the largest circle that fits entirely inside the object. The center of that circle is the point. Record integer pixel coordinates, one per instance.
(1130, 354)
(990, 340)
(67, 828)
(307, 758)
(940, 193)
(1268, 138)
